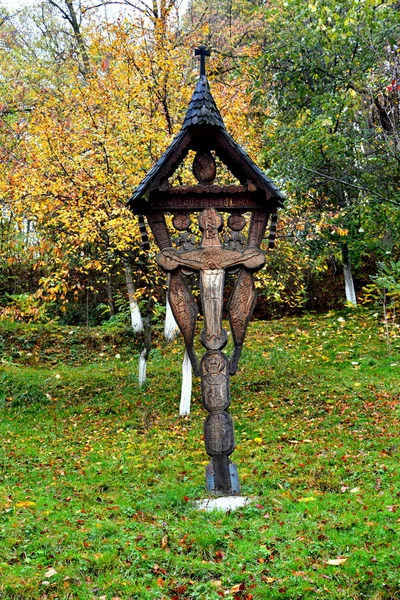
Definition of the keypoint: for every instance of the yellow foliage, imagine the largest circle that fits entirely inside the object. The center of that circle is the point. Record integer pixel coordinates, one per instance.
(89, 140)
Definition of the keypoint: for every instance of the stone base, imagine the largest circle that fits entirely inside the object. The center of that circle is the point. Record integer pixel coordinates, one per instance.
(223, 503)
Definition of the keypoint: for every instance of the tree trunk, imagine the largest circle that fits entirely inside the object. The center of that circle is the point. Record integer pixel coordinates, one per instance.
(136, 317)
(84, 68)
(170, 325)
(87, 303)
(186, 390)
(147, 345)
(110, 300)
(348, 277)
(69, 13)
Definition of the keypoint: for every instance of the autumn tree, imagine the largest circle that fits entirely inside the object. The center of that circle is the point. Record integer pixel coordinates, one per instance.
(100, 109)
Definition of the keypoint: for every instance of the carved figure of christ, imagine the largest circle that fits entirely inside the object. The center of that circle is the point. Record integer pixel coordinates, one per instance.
(211, 260)
(212, 278)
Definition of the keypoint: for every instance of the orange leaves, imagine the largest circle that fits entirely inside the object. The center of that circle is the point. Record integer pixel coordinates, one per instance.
(86, 142)
(219, 555)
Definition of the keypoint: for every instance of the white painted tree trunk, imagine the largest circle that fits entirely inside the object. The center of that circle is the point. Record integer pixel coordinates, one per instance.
(349, 285)
(136, 317)
(170, 331)
(186, 390)
(348, 277)
(142, 368)
(170, 325)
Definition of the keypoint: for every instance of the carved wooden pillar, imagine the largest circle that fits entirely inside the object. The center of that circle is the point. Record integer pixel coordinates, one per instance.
(214, 371)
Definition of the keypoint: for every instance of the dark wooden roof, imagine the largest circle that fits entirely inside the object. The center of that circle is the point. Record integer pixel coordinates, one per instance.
(202, 109)
(203, 127)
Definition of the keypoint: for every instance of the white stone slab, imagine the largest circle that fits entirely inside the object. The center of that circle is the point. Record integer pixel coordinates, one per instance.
(224, 503)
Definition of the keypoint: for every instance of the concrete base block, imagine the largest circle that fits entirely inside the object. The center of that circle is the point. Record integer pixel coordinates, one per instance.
(223, 503)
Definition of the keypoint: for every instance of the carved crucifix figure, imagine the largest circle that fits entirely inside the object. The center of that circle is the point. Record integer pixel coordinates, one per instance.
(212, 276)
(212, 260)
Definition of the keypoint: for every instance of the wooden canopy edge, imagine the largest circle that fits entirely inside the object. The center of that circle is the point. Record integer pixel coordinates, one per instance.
(163, 168)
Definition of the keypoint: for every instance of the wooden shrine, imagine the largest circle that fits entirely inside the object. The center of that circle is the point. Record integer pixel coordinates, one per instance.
(232, 220)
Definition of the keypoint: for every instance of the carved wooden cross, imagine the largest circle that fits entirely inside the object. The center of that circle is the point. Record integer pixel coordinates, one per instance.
(245, 208)
(212, 260)
(202, 52)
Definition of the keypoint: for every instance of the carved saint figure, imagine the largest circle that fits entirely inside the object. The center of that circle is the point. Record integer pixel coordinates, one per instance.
(213, 366)
(243, 298)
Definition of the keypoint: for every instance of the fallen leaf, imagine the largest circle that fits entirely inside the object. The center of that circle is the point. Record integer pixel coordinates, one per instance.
(336, 561)
(239, 587)
(25, 504)
(164, 542)
(158, 569)
(50, 572)
(308, 499)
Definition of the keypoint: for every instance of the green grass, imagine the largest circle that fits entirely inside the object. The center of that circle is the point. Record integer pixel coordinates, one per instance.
(98, 478)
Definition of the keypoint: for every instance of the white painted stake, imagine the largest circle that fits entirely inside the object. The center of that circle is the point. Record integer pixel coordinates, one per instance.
(186, 390)
(142, 369)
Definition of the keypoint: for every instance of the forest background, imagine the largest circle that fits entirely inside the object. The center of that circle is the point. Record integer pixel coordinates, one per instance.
(93, 92)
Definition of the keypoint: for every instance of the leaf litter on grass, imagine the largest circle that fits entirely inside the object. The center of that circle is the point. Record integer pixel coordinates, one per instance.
(98, 486)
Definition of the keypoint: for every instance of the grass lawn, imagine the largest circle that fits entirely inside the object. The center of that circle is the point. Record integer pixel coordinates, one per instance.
(98, 478)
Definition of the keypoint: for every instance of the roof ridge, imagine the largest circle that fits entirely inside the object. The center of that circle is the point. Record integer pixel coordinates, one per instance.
(202, 109)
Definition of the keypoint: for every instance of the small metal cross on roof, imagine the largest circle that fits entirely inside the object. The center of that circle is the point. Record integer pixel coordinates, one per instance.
(202, 51)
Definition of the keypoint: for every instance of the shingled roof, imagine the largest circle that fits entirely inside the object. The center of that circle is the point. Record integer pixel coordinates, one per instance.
(203, 122)
(202, 109)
